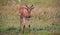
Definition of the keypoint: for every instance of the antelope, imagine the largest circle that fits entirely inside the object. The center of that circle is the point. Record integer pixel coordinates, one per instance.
(25, 12)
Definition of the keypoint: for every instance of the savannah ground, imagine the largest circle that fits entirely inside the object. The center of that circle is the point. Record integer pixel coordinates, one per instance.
(45, 20)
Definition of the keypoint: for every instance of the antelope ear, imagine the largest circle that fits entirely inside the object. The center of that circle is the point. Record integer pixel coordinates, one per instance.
(32, 7)
(26, 5)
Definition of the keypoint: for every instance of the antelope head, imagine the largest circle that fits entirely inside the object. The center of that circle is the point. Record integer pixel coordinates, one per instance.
(29, 9)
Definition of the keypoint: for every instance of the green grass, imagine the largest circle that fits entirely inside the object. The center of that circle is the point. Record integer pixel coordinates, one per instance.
(15, 31)
(42, 30)
(43, 26)
(37, 1)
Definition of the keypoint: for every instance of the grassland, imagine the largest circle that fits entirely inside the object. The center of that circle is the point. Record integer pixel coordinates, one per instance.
(45, 20)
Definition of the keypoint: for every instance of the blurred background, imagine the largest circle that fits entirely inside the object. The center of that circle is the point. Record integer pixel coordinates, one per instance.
(45, 20)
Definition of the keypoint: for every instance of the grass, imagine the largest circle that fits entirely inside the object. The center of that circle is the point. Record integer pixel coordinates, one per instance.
(42, 30)
(15, 31)
(43, 22)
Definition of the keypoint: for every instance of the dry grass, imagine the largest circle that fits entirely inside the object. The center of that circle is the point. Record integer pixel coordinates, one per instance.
(46, 17)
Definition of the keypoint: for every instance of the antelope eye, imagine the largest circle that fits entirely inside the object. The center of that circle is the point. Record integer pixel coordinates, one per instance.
(26, 8)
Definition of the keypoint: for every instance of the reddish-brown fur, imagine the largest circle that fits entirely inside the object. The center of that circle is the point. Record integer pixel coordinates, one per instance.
(25, 12)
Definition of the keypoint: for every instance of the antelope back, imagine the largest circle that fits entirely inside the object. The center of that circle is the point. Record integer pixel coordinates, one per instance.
(25, 11)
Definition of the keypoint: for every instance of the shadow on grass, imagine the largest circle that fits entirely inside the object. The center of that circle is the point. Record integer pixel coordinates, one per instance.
(17, 31)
